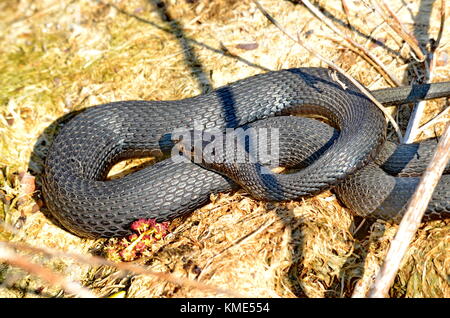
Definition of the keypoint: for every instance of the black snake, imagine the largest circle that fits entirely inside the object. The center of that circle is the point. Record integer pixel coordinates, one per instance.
(84, 150)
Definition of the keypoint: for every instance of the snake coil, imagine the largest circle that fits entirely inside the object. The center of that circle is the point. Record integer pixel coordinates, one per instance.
(79, 197)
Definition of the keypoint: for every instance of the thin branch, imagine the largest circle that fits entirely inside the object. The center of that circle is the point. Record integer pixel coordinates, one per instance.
(443, 14)
(332, 65)
(363, 285)
(435, 44)
(413, 129)
(11, 257)
(412, 218)
(365, 57)
(95, 260)
(394, 22)
(370, 57)
(347, 13)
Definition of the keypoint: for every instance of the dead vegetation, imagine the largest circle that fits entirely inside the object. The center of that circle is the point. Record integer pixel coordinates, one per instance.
(61, 56)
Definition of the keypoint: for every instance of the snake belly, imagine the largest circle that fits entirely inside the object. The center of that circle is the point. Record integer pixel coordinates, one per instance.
(79, 197)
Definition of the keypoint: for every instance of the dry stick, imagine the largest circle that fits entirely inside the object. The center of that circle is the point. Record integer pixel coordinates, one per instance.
(14, 259)
(379, 26)
(413, 128)
(412, 218)
(356, 51)
(374, 60)
(434, 47)
(441, 26)
(447, 152)
(334, 66)
(95, 260)
(363, 286)
(393, 21)
(347, 13)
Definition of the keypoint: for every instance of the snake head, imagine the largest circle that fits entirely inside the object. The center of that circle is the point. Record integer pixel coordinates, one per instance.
(203, 147)
(190, 145)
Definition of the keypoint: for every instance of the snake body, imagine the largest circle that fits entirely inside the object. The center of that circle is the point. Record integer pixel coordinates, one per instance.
(381, 189)
(84, 150)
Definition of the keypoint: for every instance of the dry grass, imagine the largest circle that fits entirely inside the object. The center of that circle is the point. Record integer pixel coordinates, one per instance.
(60, 56)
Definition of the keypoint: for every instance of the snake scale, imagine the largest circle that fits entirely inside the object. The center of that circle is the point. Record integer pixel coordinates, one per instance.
(344, 157)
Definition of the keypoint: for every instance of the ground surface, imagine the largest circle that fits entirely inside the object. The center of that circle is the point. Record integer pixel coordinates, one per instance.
(59, 56)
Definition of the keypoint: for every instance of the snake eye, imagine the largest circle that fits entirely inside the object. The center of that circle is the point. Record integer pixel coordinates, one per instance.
(185, 148)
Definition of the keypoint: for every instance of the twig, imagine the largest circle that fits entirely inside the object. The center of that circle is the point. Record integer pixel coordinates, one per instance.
(14, 259)
(391, 19)
(412, 218)
(412, 130)
(370, 57)
(443, 14)
(363, 285)
(332, 65)
(347, 13)
(364, 56)
(95, 260)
